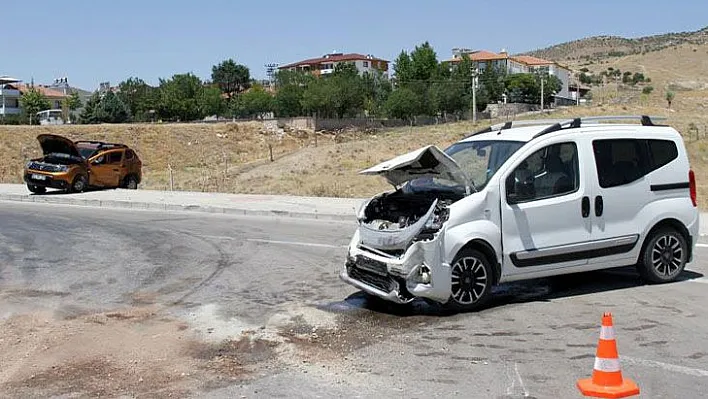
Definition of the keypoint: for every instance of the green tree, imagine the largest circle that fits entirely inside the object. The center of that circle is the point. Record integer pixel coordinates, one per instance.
(424, 62)
(551, 86)
(111, 109)
(670, 97)
(448, 97)
(523, 88)
(69, 104)
(638, 77)
(403, 68)
(403, 103)
(318, 98)
(88, 114)
(347, 90)
(287, 101)
(211, 102)
(492, 82)
(255, 102)
(232, 78)
(376, 91)
(297, 78)
(139, 97)
(180, 98)
(585, 79)
(33, 101)
(647, 90)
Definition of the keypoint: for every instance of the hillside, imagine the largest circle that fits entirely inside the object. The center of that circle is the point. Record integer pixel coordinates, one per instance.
(600, 47)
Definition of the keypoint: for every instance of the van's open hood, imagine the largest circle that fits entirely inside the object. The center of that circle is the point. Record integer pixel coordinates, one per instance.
(428, 161)
(53, 144)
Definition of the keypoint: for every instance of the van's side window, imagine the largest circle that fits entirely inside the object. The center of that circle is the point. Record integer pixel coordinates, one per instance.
(549, 172)
(662, 153)
(624, 161)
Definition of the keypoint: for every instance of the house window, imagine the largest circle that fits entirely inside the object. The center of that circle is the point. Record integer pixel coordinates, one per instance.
(366, 64)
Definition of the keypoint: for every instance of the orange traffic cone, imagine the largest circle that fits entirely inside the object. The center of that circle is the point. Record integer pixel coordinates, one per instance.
(607, 381)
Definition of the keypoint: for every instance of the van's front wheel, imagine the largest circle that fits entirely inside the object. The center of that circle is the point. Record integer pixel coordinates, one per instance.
(471, 284)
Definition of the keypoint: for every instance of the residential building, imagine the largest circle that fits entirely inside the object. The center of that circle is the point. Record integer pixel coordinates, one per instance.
(9, 96)
(11, 90)
(326, 64)
(481, 59)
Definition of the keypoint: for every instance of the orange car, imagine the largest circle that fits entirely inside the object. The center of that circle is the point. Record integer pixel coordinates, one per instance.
(75, 166)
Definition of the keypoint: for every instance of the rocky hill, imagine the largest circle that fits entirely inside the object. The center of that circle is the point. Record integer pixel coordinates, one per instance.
(601, 47)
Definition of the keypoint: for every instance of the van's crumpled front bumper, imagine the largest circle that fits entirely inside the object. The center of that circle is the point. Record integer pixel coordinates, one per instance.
(419, 272)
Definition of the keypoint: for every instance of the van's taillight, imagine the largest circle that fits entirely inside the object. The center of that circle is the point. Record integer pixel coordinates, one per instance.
(692, 187)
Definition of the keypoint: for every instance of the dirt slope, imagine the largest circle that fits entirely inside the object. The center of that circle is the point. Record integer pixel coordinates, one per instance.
(601, 47)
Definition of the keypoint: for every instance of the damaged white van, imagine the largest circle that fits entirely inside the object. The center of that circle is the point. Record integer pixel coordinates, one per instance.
(525, 200)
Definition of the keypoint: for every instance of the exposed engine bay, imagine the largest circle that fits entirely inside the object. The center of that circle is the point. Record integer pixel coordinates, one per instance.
(392, 221)
(54, 162)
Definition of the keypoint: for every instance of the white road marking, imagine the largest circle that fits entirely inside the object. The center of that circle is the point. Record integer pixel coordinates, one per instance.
(666, 366)
(702, 280)
(511, 390)
(702, 245)
(302, 244)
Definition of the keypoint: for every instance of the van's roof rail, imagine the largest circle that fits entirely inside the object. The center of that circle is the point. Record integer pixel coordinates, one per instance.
(558, 124)
(578, 122)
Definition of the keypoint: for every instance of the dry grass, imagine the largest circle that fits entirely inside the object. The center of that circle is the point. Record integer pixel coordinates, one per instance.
(198, 154)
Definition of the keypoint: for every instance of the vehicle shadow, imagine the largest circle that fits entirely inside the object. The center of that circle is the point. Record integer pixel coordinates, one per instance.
(537, 290)
(63, 192)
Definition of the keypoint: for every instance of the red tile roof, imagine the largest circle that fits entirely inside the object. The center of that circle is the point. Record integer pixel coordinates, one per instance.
(333, 58)
(47, 92)
(529, 60)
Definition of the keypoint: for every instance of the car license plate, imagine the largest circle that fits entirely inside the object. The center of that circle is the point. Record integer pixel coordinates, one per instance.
(38, 177)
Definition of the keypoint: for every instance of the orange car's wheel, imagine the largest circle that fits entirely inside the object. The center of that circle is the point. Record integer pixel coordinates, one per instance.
(131, 183)
(78, 185)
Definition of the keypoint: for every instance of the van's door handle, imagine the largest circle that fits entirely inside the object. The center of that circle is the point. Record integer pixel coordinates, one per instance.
(585, 208)
(599, 205)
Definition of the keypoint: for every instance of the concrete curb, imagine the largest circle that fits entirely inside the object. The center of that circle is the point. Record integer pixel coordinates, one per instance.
(173, 207)
(228, 210)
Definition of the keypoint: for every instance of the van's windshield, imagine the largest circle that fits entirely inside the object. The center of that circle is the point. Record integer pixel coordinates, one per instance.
(480, 160)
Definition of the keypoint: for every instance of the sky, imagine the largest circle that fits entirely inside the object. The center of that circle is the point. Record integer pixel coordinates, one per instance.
(93, 41)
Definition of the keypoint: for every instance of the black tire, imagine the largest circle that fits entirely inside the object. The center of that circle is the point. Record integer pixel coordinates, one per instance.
(36, 189)
(664, 256)
(78, 185)
(131, 183)
(472, 277)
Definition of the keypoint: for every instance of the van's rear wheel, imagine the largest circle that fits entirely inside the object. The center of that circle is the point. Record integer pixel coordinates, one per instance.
(664, 256)
(471, 283)
(36, 189)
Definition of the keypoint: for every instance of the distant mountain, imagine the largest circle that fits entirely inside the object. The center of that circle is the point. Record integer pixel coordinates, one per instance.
(599, 47)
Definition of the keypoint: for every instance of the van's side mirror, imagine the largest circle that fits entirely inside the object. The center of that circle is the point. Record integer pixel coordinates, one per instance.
(520, 186)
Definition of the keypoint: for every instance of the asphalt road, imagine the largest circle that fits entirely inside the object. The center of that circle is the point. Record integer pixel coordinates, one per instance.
(131, 294)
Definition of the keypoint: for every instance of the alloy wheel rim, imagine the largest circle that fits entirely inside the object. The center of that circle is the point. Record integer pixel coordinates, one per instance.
(469, 280)
(79, 185)
(666, 255)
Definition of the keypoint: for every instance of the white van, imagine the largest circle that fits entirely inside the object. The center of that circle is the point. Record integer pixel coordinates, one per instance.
(524, 200)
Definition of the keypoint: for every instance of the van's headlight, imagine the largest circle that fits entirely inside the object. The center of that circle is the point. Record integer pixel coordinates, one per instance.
(62, 168)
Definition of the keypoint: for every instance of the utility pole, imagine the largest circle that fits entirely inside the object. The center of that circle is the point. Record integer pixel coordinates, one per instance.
(475, 80)
(541, 93)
